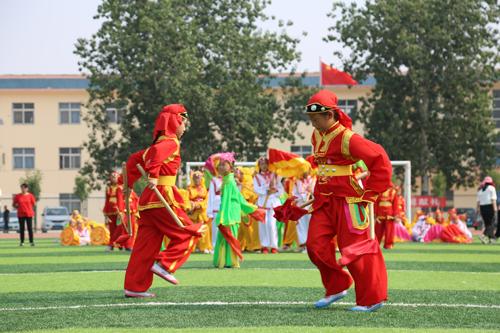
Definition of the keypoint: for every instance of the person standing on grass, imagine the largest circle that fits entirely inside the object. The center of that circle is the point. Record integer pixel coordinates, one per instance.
(227, 251)
(340, 207)
(161, 162)
(114, 206)
(24, 202)
(487, 206)
(6, 217)
(267, 185)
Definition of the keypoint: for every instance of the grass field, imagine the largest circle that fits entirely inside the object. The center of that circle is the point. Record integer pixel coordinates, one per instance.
(432, 288)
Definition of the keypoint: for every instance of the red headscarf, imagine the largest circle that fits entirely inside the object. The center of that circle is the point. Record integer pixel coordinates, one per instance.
(169, 119)
(329, 99)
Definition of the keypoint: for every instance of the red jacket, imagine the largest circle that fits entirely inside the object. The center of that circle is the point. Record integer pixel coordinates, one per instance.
(401, 206)
(338, 149)
(114, 203)
(24, 204)
(134, 202)
(161, 161)
(387, 204)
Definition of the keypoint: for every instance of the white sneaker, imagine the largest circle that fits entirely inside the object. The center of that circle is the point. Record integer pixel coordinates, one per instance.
(484, 239)
(134, 294)
(108, 249)
(371, 308)
(163, 273)
(206, 251)
(326, 301)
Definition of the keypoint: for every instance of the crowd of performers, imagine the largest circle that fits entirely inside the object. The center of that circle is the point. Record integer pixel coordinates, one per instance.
(322, 205)
(393, 225)
(258, 186)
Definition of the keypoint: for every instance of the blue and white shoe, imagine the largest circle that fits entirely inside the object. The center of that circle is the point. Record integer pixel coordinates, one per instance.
(371, 308)
(326, 301)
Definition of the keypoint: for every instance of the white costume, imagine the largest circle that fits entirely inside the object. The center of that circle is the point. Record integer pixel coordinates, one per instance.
(84, 236)
(420, 229)
(213, 204)
(463, 227)
(268, 232)
(303, 189)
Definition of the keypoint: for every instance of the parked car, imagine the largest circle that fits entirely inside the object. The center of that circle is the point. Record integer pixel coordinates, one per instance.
(54, 218)
(13, 221)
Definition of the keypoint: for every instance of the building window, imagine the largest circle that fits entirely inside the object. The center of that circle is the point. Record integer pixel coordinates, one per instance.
(69, 113)
(114, 115)
(70, 201)
(69, 158)
(302, 151)
(349, 106)
(24, 158)
(24, 113)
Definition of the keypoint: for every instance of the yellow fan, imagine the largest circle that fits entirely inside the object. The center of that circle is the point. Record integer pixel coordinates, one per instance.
(99, 235)
(69, 237)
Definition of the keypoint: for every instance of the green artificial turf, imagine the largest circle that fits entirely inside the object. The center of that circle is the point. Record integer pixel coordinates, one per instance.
(432, 288)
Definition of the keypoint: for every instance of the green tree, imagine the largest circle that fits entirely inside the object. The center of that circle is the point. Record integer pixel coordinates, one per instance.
(439, 185)
(434, 62)
(82, 190)
(208, 55)
(34, 181)
(493, 174)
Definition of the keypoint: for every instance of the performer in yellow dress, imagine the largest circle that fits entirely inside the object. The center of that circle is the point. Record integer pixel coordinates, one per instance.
(74, 218)
(290, 235)
(198, 196)
(248, 233)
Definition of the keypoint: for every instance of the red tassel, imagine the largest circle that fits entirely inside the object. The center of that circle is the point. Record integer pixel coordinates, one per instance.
(233, 242)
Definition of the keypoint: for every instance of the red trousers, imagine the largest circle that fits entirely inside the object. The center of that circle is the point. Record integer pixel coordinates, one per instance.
(385, 229)
(367, 269)
(112, 229)
(154, 224)
(120, 230)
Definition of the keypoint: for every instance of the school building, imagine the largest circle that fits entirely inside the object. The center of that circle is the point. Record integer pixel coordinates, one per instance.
(42, 128)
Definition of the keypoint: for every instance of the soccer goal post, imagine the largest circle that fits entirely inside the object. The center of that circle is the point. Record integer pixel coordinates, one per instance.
(406, 183)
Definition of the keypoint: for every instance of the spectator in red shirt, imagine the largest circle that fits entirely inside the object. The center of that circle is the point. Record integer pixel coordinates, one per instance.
(24, 203)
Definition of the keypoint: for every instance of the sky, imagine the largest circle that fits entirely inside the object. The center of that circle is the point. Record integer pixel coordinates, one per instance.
(38, 36)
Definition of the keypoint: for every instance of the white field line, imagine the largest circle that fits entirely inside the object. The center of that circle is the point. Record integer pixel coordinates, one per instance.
(250, 269)
(244, 303)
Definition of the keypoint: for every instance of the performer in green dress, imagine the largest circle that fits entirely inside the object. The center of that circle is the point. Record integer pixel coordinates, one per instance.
(227, 251)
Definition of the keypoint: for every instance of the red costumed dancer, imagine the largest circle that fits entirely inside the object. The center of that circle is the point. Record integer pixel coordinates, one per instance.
(122, 238)
(386, 210)
(340, 207)
(114, 206)
(161, 161)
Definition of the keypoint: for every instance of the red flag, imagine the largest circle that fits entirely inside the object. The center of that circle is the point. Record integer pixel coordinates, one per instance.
(331, 76)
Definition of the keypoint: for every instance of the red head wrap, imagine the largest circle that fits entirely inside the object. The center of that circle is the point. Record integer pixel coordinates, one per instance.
(169, 119)
(324, 101)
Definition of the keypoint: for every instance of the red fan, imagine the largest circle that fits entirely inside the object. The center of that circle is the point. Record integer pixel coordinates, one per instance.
(289, 211)
(259, 215)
